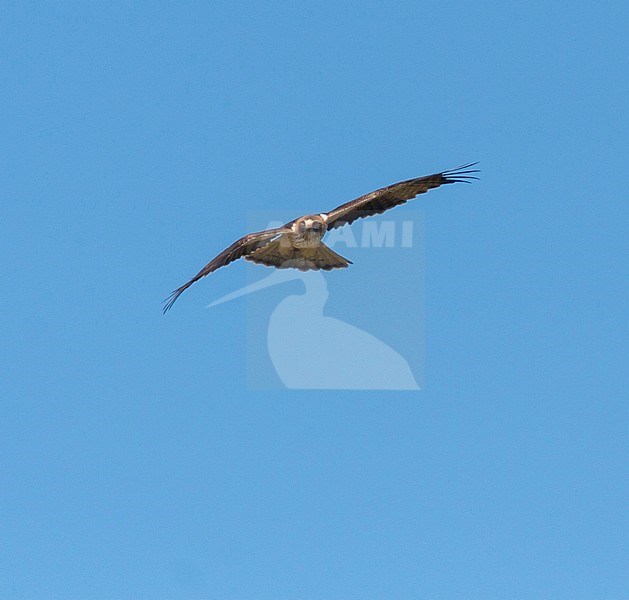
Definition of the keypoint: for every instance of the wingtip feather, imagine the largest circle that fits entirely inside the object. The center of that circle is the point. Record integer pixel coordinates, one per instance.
(462, 174)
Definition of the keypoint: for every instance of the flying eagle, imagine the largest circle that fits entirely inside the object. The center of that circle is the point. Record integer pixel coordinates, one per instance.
(298, 244)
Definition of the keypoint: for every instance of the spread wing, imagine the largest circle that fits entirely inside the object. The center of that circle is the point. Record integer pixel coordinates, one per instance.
(387, 197)
(242, 247)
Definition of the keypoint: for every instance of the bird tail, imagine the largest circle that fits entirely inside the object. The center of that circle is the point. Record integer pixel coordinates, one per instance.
(323, 257)
(282, 255)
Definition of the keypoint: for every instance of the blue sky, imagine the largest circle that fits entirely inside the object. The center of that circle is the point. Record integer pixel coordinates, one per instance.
(138, 139)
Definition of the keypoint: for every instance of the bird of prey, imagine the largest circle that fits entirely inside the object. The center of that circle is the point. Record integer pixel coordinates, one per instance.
(298, 244)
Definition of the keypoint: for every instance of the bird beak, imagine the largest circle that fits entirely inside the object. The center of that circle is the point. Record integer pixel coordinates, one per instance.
(278, 276)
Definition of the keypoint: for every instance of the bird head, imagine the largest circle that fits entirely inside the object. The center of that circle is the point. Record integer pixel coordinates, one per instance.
(314, 223)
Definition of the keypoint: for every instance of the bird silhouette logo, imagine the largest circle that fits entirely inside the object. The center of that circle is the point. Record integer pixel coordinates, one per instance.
(310, 350)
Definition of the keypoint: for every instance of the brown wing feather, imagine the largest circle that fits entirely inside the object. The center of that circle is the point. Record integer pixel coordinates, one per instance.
(242, 247)
(393, 195)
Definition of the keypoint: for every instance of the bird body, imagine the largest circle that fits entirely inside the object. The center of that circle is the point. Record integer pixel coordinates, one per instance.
(298, 244)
